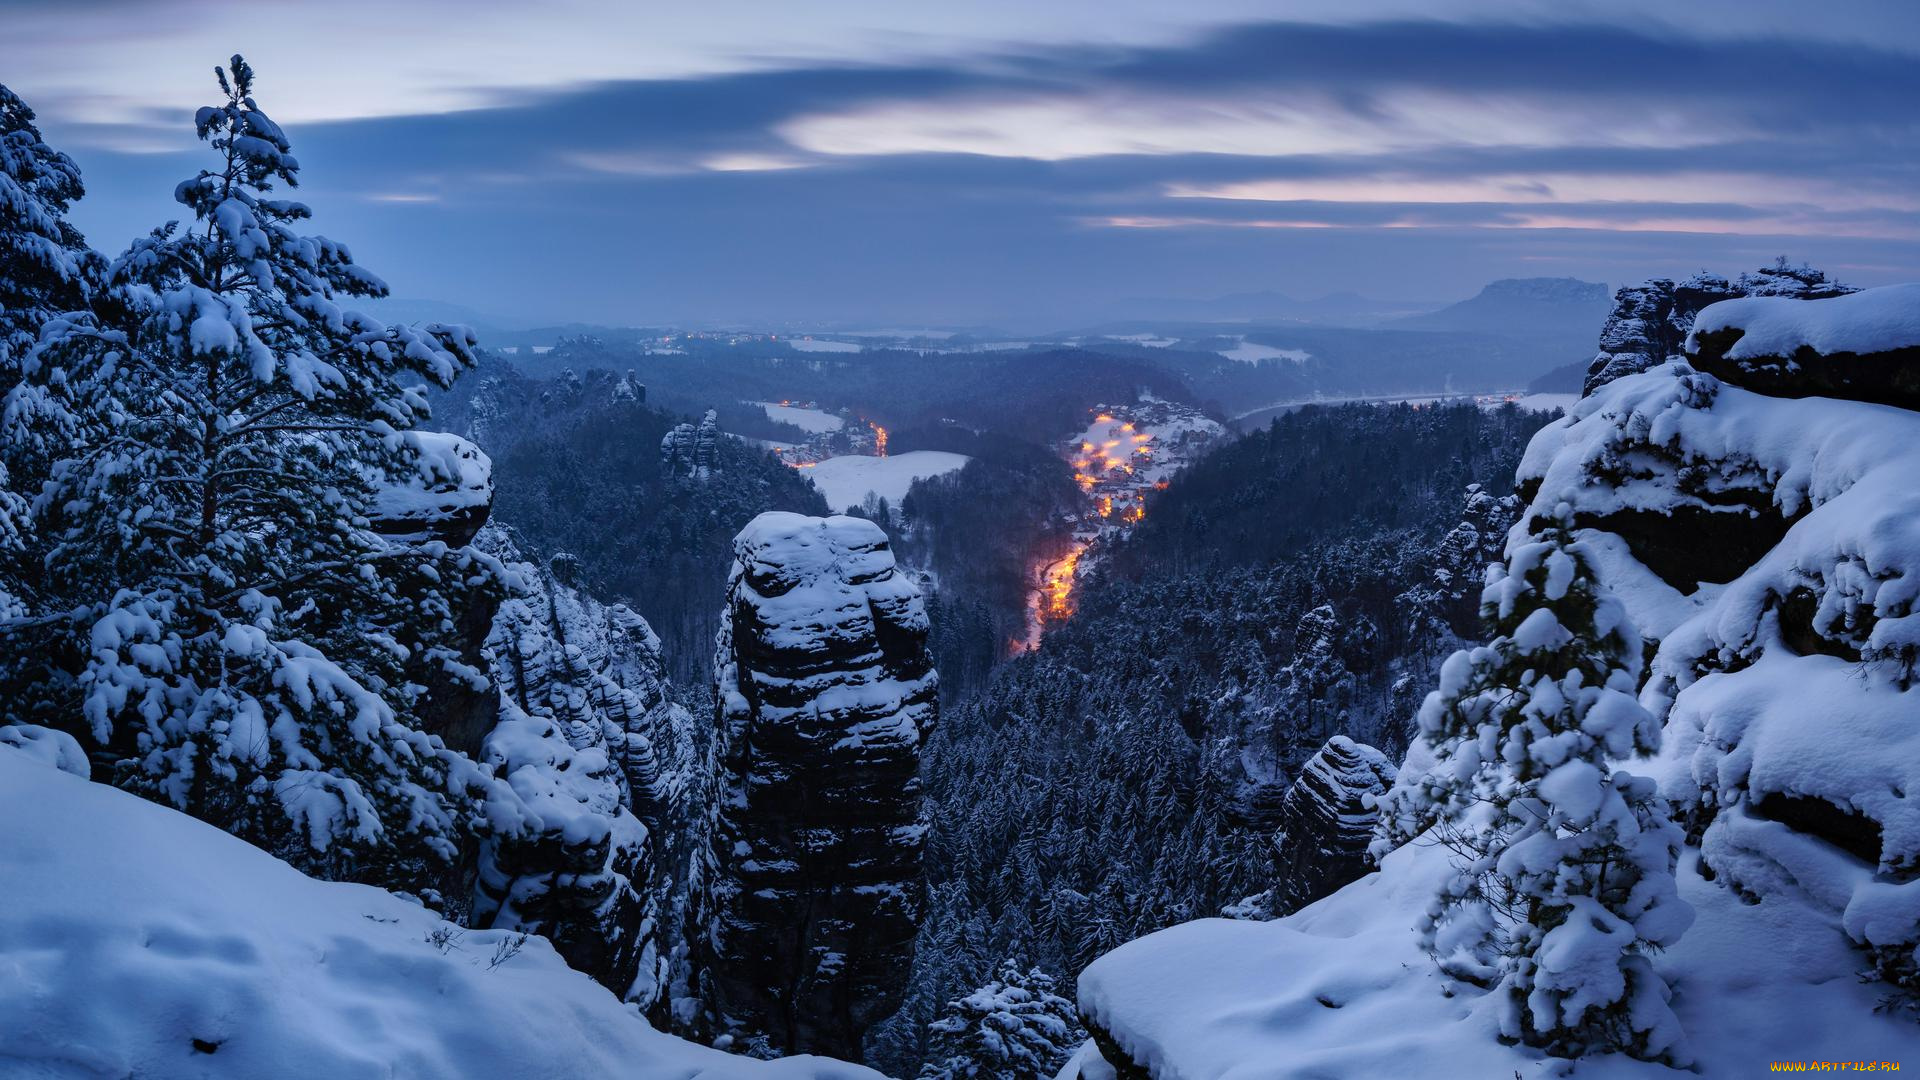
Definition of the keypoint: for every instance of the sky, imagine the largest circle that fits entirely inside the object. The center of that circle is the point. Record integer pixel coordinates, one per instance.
(991, 162)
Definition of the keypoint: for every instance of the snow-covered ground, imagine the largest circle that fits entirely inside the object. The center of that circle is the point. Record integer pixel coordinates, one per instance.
(899, 332)
(812, 421)
(1154, 442)
(846, 480)
(1249, 353)
(138, 942)
(815, 345)
(1547, 402)
(1151, 341)
(1342, 989)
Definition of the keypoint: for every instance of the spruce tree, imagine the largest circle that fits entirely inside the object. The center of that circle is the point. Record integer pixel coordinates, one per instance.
(254, 651)
(1563, 867)
(46, 270)
(1013, 1028)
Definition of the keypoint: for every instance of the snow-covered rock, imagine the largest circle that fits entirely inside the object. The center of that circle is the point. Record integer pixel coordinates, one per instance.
(1326, 824)
(153, 945)
(448, 498)
(603, 763)
(1650, 321)
(692, 451)
(1786, 690)
(1864, 346)
(824, 691)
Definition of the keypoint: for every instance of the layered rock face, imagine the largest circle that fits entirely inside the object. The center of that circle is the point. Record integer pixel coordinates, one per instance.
(1650, 321)
(825, 690)
(603, 762)
(1326, 824)
(692, 451)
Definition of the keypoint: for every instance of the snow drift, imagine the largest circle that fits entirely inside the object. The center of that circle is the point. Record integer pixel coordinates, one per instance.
(154, 945)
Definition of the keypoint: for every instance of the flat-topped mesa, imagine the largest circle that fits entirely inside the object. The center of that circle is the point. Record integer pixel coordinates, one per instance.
(824, 692)
(449, 498)
(1863, 347)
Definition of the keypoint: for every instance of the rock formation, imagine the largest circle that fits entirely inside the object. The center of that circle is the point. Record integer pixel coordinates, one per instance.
(1650, 321)
(825, 690)
(1325, 823)
(603, 761)
(1859, 348)
(1787, 692)
(692, 451)
(448, 501)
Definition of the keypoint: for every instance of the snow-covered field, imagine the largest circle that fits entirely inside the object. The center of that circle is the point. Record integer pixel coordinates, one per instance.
(1250, 353)
(899, 332)
(1547, 402)
(813, 345)
(812, 421)
(846, 480)
(152, 945)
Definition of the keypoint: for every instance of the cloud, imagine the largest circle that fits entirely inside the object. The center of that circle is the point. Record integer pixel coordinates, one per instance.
(1364, 155)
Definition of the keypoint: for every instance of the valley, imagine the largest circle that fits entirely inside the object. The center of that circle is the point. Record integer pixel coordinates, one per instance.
(1125, 454)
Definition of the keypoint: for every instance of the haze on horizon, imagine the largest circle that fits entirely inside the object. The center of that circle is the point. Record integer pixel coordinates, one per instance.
(1006, 162)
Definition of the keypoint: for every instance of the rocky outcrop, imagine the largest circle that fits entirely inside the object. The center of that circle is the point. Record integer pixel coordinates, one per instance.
(448, 500)
(602, 760)
(630, 389)
(824, 691)
(1788, 690)
(1326, 823)
(1460, 564)
(1650, 321)
(692, 451)
(1862, 347)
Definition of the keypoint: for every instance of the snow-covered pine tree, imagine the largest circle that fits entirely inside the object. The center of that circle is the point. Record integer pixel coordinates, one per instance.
(46, 269)
(1563, 880)
(1013, 1028)
(1315, 681)
(253, 651)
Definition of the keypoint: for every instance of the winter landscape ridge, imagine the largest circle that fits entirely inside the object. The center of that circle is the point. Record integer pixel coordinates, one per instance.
(811, 627)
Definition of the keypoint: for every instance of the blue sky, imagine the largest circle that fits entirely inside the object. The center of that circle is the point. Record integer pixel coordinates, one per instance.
(1027, 163)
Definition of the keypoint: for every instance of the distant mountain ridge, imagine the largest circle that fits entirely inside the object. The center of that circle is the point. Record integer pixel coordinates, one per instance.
(1552, 308)
(1334, 309)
